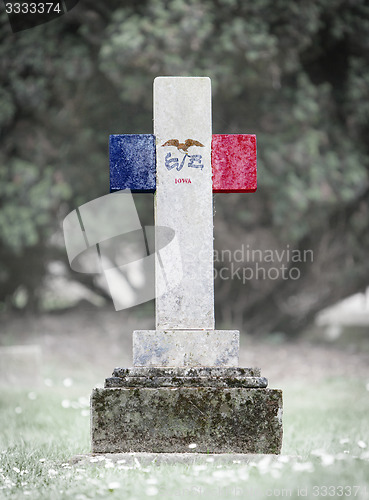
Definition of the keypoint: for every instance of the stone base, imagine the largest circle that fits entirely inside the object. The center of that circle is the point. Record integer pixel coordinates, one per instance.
(185, 347)
(222, 415)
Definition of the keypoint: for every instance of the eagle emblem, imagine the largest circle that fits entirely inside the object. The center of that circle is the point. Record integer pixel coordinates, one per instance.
(183, 145)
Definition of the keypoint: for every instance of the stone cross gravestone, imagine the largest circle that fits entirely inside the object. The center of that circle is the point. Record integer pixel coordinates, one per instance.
(185, 386)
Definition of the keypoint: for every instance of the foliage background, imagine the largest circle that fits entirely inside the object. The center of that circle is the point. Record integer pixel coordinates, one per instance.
(294, 73)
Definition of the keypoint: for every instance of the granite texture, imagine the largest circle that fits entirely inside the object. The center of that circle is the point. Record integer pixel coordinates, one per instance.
(132, 162)
(233, 160)
(180, 371)
(186, 377)
(185, 347)
(251, 382)
(168, 420)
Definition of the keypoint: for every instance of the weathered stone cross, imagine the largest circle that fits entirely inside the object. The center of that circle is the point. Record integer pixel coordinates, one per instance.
(183, 163)
(185, 391)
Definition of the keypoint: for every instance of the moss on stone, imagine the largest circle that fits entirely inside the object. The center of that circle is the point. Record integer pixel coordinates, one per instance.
(218, 420)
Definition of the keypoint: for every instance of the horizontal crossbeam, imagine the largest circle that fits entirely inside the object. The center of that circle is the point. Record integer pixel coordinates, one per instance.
(133, 162)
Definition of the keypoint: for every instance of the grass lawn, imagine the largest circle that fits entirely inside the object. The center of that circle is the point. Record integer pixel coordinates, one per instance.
(325, 451)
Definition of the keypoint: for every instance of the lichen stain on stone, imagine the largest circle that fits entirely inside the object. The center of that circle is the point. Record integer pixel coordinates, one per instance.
(225, 410)
(220, 420)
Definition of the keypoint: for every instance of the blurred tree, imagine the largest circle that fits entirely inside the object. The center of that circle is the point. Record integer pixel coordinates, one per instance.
(296, 74)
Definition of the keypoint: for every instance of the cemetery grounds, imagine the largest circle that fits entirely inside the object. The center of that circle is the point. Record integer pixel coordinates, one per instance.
(42, 427)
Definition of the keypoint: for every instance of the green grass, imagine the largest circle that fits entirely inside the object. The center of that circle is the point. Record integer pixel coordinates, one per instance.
(325, 426)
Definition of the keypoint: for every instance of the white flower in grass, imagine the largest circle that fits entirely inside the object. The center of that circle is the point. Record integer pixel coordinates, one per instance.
(318, 453)
(26, 492)
(327, 460)
(42, 460)
(243, 474)
(94, 459)
(341, 456)
(361, 444)
(67, 382)
(15, 469)
(225, 474)
(18, 410)
(121, 461)
(114, 485)
(109, 465)
(65, 403)
(344, 440)
(277, 465)
(303, 467)
(52, 472)
(199, 467)
(275, 473)
(152, 491)
(8, 483)
(84, 402)
(218, 473)
(192, 446)
(264, 464)
(32, 396)
(151, 480)
(85, 413)
(210, 459)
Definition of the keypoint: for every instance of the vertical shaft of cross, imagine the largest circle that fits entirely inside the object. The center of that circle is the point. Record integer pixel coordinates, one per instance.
(183, 200)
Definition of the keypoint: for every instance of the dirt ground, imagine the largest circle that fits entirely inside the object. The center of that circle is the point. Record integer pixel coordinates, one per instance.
(88, 342)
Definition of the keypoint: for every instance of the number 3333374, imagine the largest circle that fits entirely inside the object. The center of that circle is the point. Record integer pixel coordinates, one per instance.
(33, 8)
